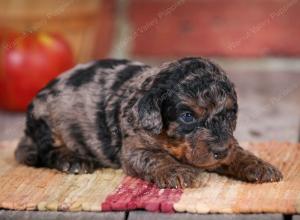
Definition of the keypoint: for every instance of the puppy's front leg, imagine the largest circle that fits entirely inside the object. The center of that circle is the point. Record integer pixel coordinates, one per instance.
(246, 166)
(157, 166)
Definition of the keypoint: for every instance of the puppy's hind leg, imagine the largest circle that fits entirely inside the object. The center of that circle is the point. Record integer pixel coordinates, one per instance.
(26, 152)
(70, 162)
(57, 157)
(41, 148)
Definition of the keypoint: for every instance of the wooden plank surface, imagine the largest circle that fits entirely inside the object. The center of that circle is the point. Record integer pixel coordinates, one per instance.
(139, 215)
(32, 215)
(11, 125)
(296, 217)
(269, 105)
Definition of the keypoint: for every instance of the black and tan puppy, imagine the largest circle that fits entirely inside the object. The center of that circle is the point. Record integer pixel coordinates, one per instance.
(162, 124)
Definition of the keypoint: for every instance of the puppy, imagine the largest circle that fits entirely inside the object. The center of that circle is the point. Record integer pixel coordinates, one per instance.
(163, 124)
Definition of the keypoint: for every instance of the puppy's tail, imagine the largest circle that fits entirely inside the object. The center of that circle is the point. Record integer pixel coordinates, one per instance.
(27, 152)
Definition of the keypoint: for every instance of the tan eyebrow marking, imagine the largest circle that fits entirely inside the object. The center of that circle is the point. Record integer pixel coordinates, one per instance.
(200, 111)
(229, 103)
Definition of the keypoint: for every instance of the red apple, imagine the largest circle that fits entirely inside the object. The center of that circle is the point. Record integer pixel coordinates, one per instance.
(28, 62)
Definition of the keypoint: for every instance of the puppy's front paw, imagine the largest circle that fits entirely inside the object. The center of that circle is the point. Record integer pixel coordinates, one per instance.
(74, 165)
(176, 177)
(261, 172)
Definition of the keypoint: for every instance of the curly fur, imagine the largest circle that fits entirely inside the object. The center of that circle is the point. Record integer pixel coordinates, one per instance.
(121, 113)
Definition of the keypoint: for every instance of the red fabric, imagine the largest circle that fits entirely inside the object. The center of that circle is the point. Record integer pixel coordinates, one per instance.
(135, 193)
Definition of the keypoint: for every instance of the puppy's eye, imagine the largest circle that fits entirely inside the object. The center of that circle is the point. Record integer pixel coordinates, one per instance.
(187, 117)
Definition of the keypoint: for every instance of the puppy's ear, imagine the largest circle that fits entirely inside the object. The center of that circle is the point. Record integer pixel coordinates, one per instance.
(149, 110)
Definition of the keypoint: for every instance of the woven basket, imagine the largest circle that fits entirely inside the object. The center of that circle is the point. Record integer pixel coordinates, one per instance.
(74, 19)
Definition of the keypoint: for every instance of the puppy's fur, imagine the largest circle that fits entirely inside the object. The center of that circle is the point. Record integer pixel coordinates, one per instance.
(162, 124)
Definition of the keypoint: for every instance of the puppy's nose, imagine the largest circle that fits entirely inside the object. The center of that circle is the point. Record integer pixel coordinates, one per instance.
(219, 153)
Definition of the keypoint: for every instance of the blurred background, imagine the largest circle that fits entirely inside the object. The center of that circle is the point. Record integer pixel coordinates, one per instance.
(256, 42)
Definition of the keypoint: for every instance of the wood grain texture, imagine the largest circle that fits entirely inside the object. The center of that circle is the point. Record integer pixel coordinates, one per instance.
(32, 215)
(139, 215)
(296, 217)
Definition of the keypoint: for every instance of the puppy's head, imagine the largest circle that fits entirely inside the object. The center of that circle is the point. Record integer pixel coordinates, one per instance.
(190, 109)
